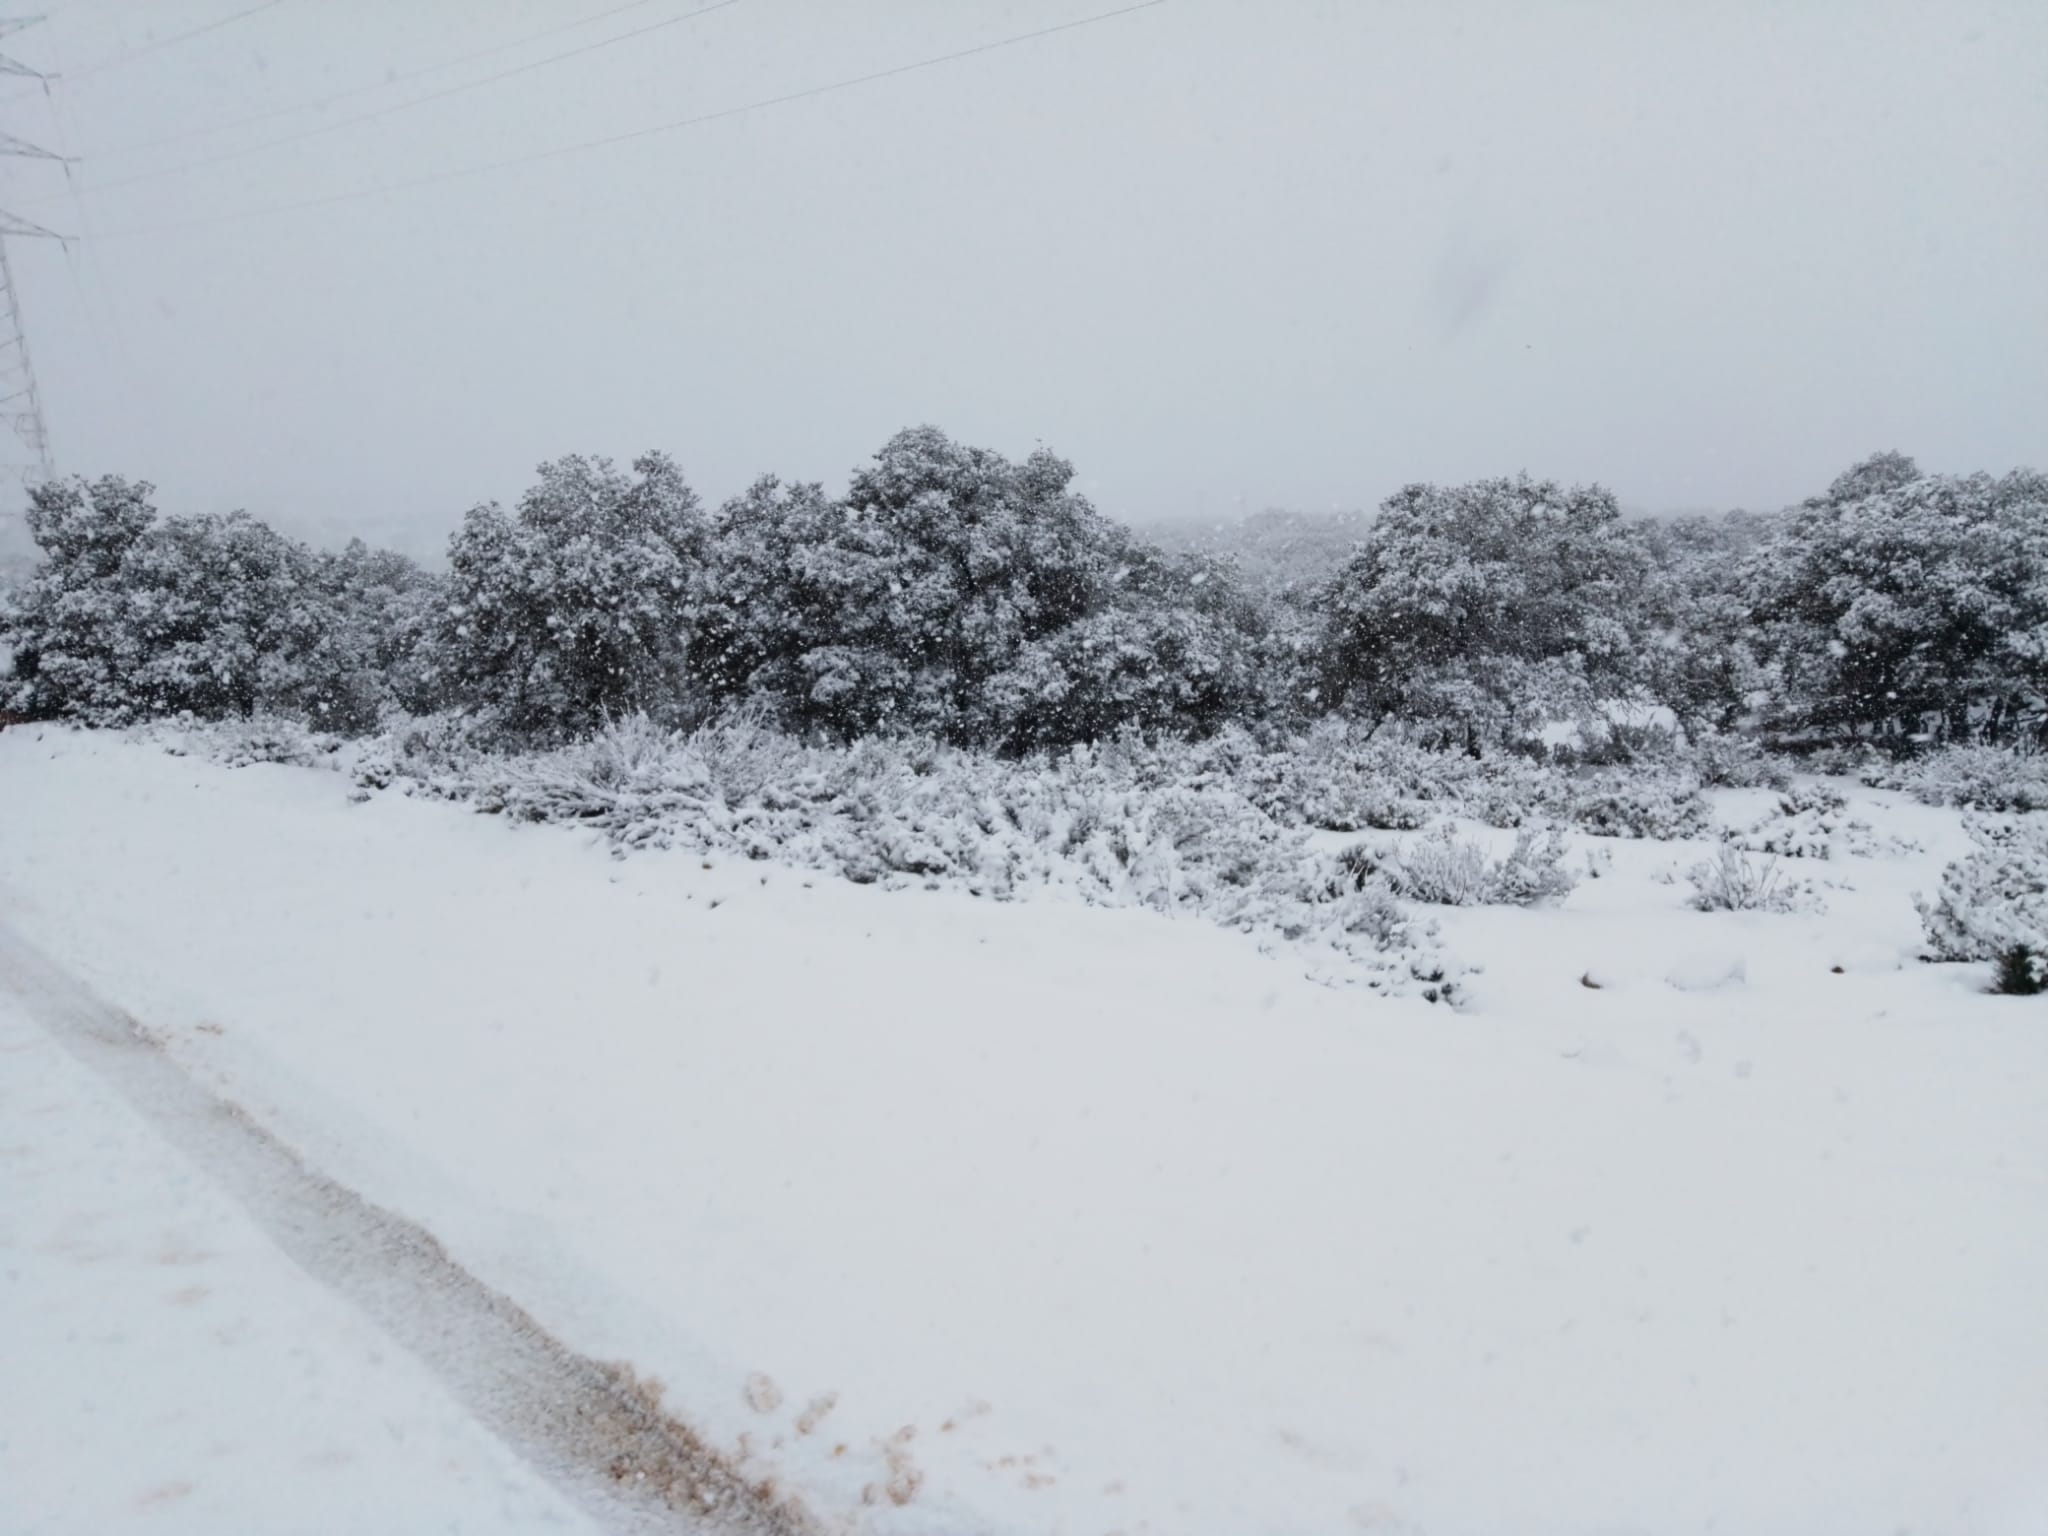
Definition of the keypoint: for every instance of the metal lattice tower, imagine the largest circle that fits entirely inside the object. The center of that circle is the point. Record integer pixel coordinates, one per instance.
(21, 403)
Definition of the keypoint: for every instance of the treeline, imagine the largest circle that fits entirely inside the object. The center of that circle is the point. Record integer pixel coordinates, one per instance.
(954, 593)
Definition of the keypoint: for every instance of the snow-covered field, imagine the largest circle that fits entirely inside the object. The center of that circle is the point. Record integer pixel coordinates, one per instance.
(952, 1215)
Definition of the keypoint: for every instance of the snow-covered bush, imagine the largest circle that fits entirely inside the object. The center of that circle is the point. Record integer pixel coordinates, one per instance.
(1804, 824)
(1114, 825)
(1973, 778)
(239, 743)
(1735, 880)
(1737, 762)
(1993, 903)
(1846, 760)
(1444, 869)
(1441, 869)
(1640, 803)
(1534, 870)
(433, 756)
(1340, 778)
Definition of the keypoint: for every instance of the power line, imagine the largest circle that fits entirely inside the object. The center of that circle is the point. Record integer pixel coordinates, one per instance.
(677, 125)
(400, 106)
(131, 54)
(123, 150)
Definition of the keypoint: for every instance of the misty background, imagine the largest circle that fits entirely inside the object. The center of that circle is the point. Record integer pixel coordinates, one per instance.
(1224, 256)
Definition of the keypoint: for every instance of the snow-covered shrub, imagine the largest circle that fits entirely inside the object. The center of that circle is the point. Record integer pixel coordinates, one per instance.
(1384, 813)
(1802, 825)
(1339, 778)
(1602, 742)
(1443, 869)
(1734, 880)
(1737, 762)
(1846, 760)
(1123, 824)
(1512, 793)
(1993, 903)
(433, 756)
(1812, 821)
(1639, 804)
(238, 743)
(1534, 870)
(1971, 778)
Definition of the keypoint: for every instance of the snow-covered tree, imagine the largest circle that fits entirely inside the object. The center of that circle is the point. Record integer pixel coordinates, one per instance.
(64, 624)
(581, 601)
(1173, 650)
(962, 559)
(381, 646)
(1705, 656)
(1479, 611)
(223, 615)
(131, 615)
(898, 606)
(777, 579)
(1904, 601)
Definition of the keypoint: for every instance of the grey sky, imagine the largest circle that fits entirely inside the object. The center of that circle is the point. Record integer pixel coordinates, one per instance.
(1222, 255)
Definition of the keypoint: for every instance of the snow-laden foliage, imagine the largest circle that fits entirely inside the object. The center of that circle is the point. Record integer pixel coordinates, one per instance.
(1486, 610)
(956, 593)
(1707, 658)
(1090, 821)
(382, 653)
(1444, 869)
(132, 616)
(244, 742)
(1737, 880)
(1812, 821)
(1906, 602)
(1972, 778)
(1624, 803)
(1737, 762)
(1993, 903)
(581, 601)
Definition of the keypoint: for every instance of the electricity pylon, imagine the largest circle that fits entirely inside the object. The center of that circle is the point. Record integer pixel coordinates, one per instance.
(21, 403)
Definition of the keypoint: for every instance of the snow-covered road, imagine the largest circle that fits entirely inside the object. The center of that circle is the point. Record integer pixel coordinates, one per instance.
(204, 1334)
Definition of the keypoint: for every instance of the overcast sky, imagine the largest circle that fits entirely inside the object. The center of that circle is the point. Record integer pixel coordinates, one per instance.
(1222, 254)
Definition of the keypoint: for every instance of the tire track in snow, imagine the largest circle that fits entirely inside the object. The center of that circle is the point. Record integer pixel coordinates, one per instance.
(590, 1427)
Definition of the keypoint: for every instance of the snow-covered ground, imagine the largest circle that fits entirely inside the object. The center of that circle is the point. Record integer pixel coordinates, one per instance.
(167, 1369)
(953, 1215)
